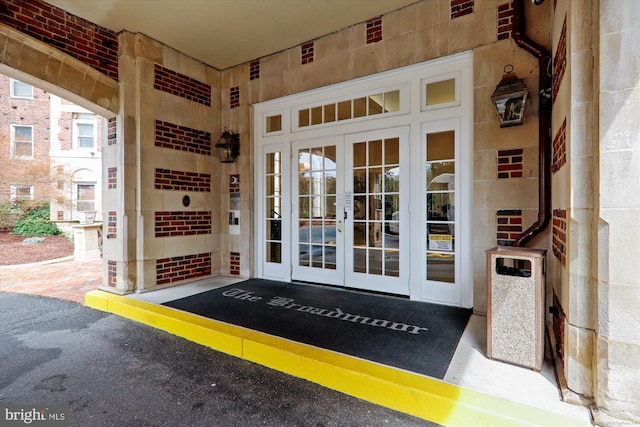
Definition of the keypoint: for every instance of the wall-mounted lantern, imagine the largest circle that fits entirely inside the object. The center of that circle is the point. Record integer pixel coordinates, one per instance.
(509, 98)
(228, 146)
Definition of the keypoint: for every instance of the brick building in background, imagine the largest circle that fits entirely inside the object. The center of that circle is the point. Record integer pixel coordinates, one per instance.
(50, 149)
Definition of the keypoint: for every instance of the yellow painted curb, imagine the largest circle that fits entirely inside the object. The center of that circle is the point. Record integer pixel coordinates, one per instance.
(414, 394)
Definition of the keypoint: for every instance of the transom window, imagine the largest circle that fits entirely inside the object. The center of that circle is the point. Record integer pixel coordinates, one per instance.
(364, 106)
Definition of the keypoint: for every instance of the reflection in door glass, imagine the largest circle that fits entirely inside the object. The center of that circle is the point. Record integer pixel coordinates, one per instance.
(273, 203)
(440, 210)
(317, 207)
(376, 207)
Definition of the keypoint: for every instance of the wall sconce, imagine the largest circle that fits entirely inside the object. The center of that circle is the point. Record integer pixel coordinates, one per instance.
(509, 98)
(228, 146)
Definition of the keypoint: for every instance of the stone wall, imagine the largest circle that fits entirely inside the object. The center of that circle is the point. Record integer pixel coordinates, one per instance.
(161, 209)
(417, 33)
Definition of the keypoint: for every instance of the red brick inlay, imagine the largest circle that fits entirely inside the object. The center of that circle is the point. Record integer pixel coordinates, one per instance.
(178, 84)
(112, 178)
(509, 225)
(374, 30)
(306, 53)
(505, 20)
(112, 269)
(111, 131)
(510, 163)
(83, 40)
(112, 225)
(182, 223)
(234, 263)
(178, 268)
(166, 179)
(254, 69)
(234, 97)
(560, 235)
(559, 148)
(559, 61)
(169, 135)
(461, 8)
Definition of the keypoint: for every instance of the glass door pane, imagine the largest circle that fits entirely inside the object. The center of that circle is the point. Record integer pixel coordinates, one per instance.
(440, 169)
(273, 203)
(318, 221)
(376, 194)
(376, 203)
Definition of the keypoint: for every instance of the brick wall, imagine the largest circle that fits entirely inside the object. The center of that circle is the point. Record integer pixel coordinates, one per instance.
(505, 20)
(559, 61)
(306, 53)
(169, 135)
(112, 136)
(559, 156)
(112, 269)
(166, 179)
(461, 8)
(509, 226)
(182, 223)
(234, 263)
(374, 30)
(175, 269)
(112, 178)
(510, 163)
(91, 44)
(560, 235)
(254, 69)
(23, 112)
(178, 84)
(234, 97)
(112, 225)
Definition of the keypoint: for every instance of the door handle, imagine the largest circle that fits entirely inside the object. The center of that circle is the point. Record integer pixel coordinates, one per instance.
(340, 226)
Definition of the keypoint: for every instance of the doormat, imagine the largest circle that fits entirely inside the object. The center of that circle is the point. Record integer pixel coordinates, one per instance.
(415, 336)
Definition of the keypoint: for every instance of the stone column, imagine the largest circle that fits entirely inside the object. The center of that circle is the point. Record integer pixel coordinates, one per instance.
(617, 390)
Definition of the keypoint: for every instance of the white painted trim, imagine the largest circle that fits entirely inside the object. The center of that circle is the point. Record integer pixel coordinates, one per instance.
(412, 114)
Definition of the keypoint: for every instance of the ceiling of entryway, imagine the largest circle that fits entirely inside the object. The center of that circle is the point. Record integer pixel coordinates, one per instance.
(224, 33)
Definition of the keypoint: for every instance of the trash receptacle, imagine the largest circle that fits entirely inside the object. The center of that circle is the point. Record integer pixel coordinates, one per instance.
(515, 305)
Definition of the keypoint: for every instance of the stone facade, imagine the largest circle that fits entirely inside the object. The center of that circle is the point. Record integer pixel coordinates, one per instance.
(594, 282)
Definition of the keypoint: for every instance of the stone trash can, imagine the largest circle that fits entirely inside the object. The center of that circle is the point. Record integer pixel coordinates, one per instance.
(515, 305)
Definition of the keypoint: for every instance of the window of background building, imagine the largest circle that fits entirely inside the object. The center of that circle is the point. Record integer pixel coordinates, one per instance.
(21, 90)
(86, 197)
(22, 141)
(20, 193)
(84, 131)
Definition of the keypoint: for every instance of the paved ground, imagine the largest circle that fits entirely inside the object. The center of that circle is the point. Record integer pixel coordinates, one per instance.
(68, 280)
(114, 372)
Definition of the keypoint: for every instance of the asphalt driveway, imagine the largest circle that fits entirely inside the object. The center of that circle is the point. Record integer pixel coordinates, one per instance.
(114, 372)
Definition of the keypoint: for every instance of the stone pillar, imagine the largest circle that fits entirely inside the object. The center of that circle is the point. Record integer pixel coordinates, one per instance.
(87, 241)
(617, 390)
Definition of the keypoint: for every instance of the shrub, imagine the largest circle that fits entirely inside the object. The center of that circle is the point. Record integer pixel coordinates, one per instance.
(8, 216)
(35, 222)
(29, 227)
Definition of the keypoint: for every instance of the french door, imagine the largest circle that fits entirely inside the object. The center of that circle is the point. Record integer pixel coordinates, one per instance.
(349, 201)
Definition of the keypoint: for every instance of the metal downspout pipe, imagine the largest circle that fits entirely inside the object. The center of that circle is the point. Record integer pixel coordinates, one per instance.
(544, 124)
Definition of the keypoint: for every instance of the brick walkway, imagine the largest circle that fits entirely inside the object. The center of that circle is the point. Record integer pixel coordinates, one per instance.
(68, 280)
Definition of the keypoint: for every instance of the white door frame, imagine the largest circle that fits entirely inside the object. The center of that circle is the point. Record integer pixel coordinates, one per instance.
(413, 112)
